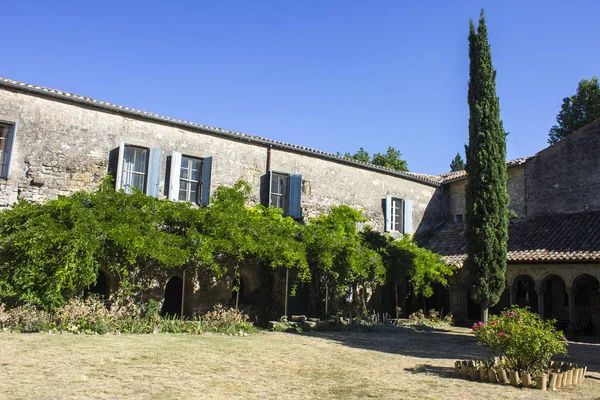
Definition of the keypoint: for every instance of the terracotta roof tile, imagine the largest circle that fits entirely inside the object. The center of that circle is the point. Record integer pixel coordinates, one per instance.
(462, 174)
(552, 238)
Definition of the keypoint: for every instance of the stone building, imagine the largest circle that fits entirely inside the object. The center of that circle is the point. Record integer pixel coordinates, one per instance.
(54, 143)
(554, 233)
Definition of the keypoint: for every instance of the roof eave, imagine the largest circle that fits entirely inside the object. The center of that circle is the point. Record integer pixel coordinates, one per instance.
(211, 130)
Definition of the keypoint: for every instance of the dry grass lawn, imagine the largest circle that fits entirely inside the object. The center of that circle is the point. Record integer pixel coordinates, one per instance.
(404, 365)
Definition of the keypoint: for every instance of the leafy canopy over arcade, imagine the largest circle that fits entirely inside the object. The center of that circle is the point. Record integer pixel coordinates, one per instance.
(51, 252)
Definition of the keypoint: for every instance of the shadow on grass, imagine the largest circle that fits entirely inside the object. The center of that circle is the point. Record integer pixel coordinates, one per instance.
(445, 345)
(427, 369)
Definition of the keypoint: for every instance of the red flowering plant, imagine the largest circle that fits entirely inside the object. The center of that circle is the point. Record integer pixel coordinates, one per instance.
(524, 339)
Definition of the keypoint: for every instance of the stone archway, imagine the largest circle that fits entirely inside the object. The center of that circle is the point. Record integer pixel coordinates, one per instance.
(173, 293)
(555, 298)
(523, 292)
(586, 295)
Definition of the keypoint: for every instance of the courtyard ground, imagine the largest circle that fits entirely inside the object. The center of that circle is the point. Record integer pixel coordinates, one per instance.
(332, 365)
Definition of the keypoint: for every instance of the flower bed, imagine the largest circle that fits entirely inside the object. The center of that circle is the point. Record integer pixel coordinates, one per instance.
(498, 370)
(526, 344)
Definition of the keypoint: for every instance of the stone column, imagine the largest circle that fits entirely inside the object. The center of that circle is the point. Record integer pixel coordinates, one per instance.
(539, 290)
(455, 299)
(572, 312)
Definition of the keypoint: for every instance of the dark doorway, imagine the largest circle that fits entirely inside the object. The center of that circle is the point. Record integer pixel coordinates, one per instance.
(298, 304)
(525, 295)
(502, 304)
(172, 304)
(473, 309)
(100, 288)
(556, 299)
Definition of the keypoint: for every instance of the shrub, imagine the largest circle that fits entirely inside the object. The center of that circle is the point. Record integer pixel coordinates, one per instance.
(225, 320)
(432, 319)
(24, 319)
(83, 316)
(523, 338)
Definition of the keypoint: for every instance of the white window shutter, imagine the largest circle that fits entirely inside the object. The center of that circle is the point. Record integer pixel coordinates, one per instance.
(388, 213)
(154, 167)
(174, 178)
(119, 175)
(270, 186)
(408, 226)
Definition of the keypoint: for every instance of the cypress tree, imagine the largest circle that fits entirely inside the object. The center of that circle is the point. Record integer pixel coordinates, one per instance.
(486, 193)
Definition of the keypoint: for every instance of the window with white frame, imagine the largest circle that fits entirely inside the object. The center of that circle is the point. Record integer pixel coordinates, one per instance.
(134, 169)
(279, 191)
(190, 179)
(397, 215)
(6, 135)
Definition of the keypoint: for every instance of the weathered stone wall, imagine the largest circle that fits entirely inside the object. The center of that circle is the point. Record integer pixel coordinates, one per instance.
(61, 147)
(565, 177)
(327, 183)
(454, 194)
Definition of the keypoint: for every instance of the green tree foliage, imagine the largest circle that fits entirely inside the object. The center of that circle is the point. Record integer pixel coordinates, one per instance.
(577, 110)
(404, 259)
(486, 194)
(52, 251)
(457, 163)
(391, 159)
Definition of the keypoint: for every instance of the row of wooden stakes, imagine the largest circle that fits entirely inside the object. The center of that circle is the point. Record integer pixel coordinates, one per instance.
(559, 375)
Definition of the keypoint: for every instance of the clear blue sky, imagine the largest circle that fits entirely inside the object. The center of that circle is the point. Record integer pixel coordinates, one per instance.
(333, 75)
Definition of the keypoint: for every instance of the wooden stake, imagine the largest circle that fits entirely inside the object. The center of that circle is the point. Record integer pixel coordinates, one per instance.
(182, 292)
(326, 300)
(287, 275)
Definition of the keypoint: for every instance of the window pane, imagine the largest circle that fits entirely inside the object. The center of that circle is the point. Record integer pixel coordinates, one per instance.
(128, 159)
(193, 194)
(184, 172)
(196, 166)
(126, 181)
(140, 160)
(182, 195)
(137, 180)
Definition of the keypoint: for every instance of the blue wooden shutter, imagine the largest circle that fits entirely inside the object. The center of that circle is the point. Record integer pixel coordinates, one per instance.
(206, 172)
(8, 149)
(388, 213)
(408, 226)
(154, 166)
(295, 209)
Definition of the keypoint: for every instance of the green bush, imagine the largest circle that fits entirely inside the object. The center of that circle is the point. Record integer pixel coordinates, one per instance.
(433, 319)
(523, 338)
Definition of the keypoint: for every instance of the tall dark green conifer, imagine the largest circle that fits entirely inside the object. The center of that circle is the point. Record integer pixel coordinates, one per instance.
(486, 194)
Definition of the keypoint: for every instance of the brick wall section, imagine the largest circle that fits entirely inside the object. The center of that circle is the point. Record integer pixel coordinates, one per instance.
(61, 147)
(565, 177)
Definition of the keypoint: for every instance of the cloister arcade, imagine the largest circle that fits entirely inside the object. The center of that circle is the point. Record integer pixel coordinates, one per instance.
(568, 293)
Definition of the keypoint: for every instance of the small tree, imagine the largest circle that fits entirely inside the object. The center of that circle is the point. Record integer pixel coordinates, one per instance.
(457, 163)
(577, 110)
(391, 159)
